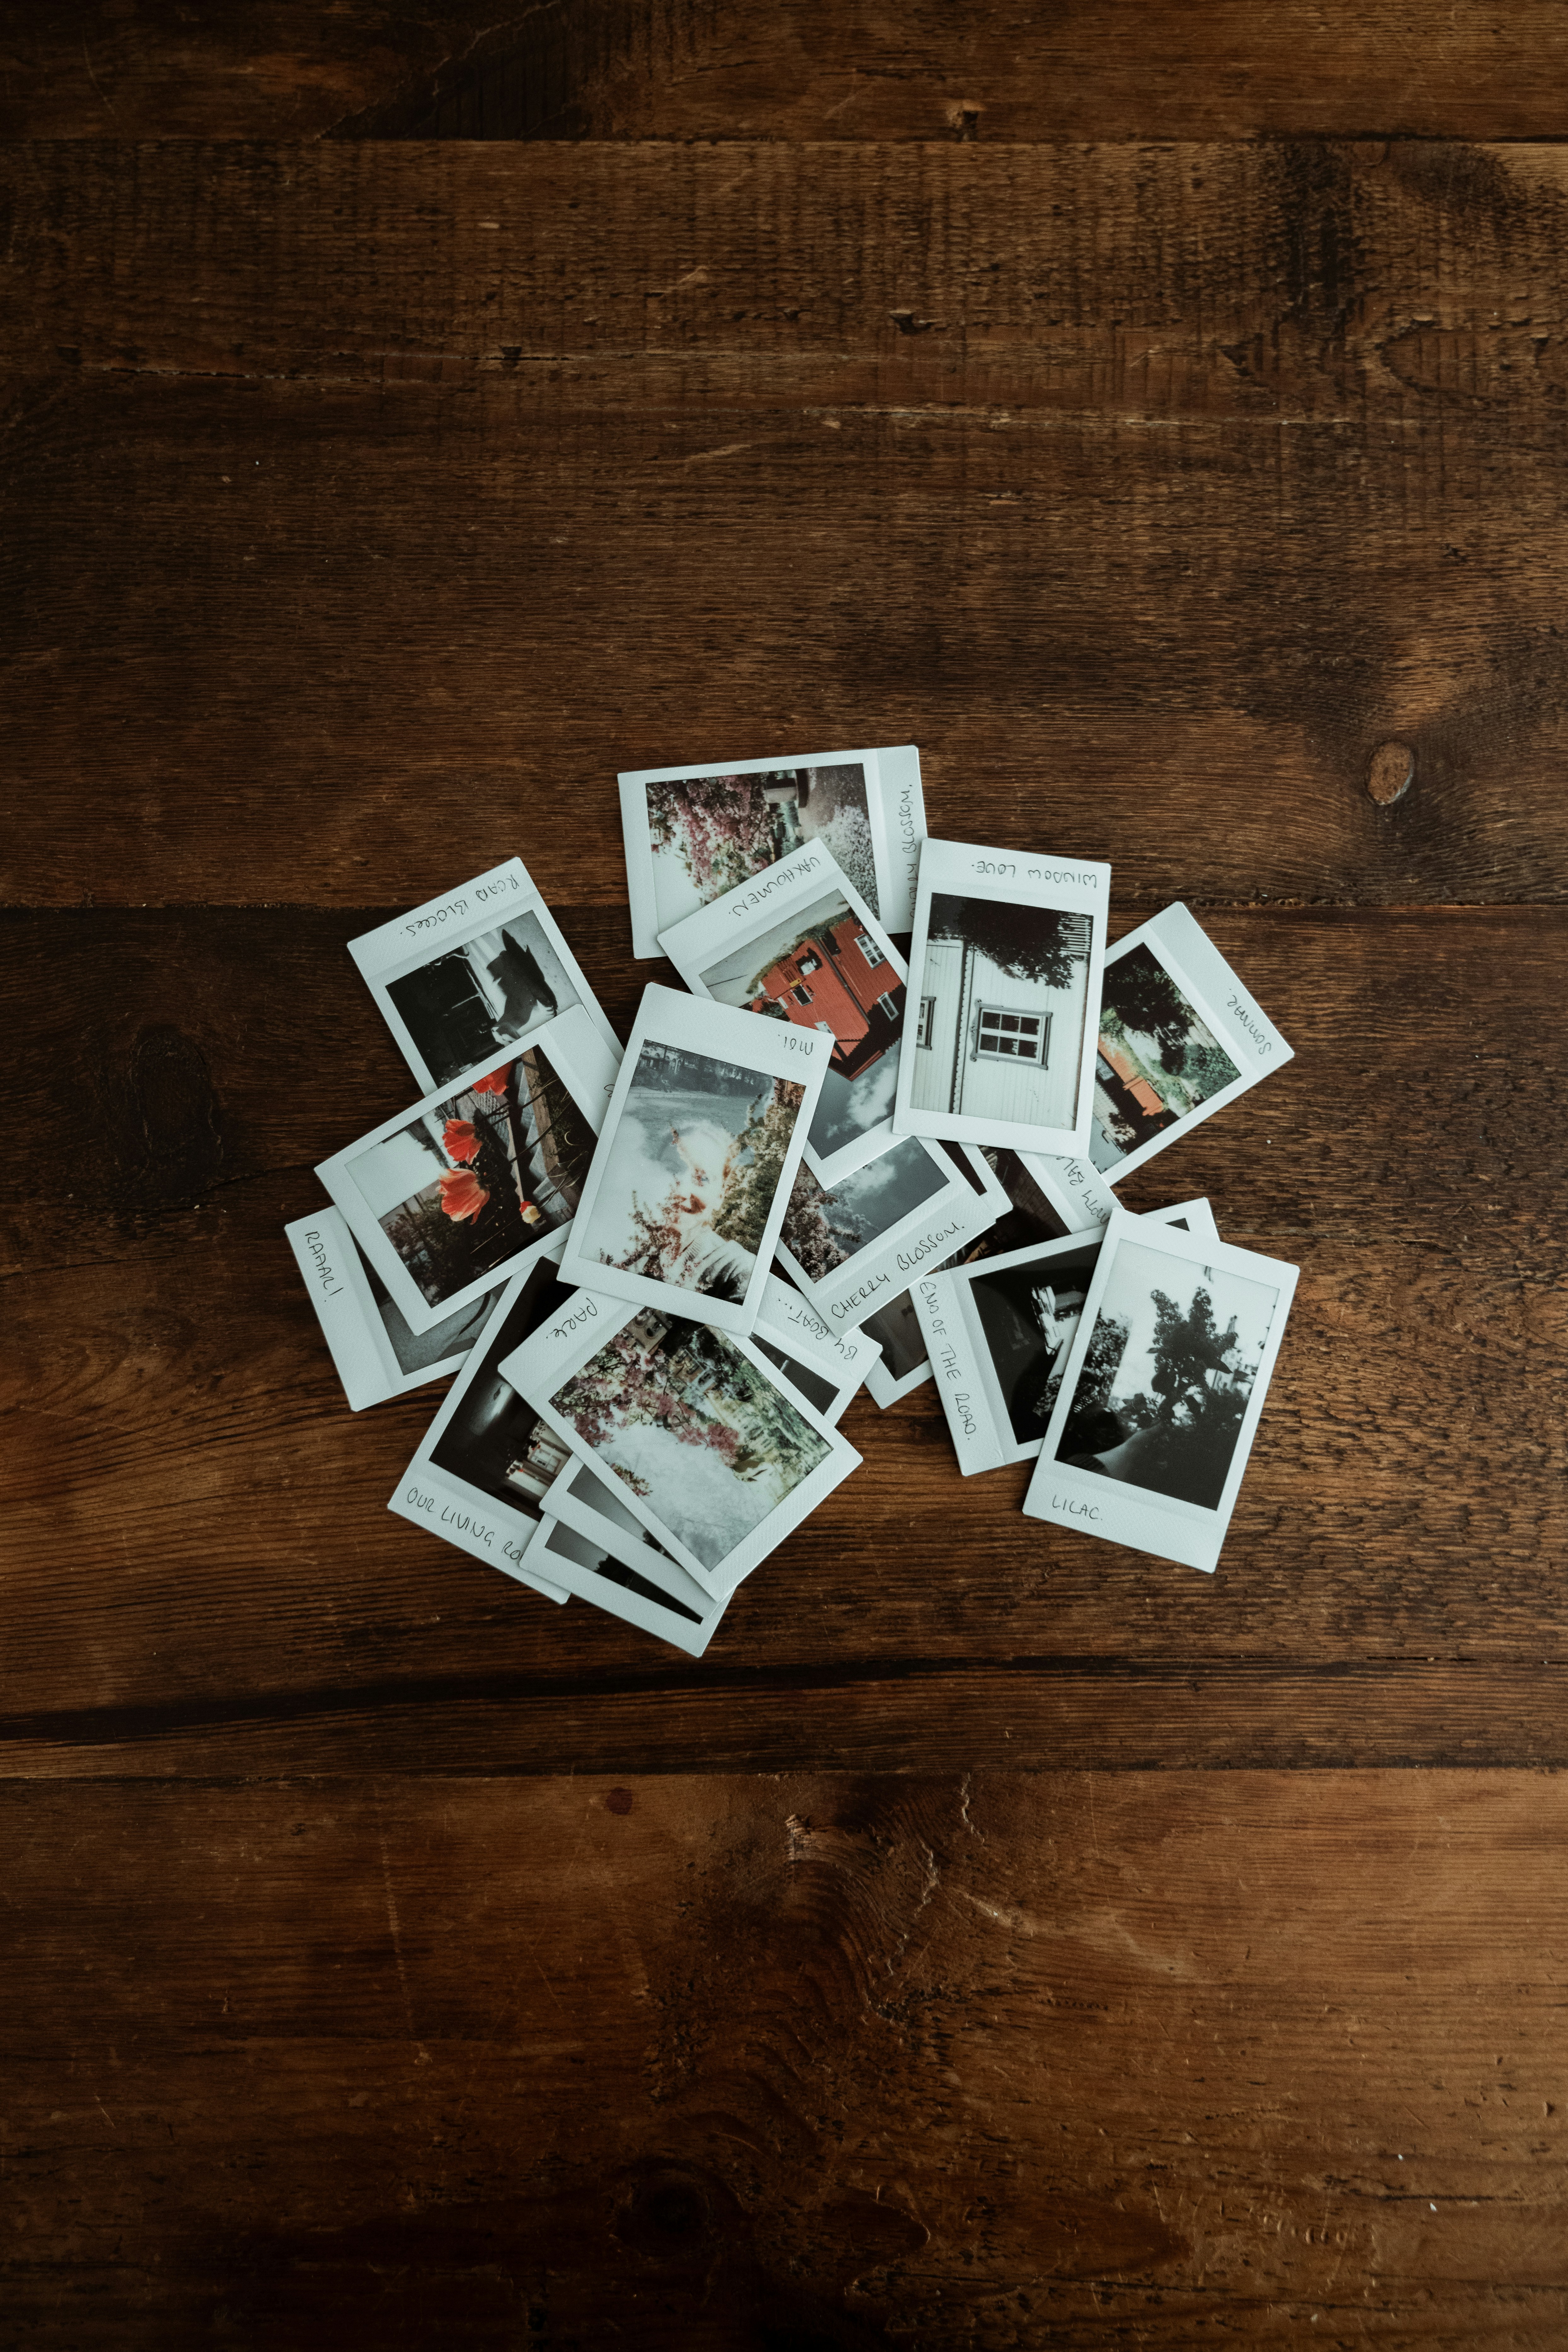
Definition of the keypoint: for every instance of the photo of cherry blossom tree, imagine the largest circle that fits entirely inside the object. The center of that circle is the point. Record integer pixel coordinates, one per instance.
(690, 1174)
(709, 833)
(690, 1425)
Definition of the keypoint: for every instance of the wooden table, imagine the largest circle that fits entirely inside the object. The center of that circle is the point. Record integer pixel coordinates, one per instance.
(999, 1940)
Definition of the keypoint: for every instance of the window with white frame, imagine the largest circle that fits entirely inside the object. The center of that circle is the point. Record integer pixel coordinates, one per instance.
(927, 1021)
(890, 1006)
(868, 948)
(1003, 1035)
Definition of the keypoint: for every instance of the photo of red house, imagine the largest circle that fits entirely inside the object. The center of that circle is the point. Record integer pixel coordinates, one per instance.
(836, 978)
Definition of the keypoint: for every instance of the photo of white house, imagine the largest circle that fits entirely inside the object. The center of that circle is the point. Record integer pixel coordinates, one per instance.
(998, 1029)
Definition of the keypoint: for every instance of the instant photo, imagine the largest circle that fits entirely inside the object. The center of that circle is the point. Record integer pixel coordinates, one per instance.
(854, 1245)
(469, 977)
(799, 943)
(375, 1353)
(825, 1367)
(590, 1569)
(688, 1185)
(609, 1558)
(1179, 1038)
(709, 1448)
(487, 1460)
(1075, 1188)
(449, 1198)
(693, 833)
(999, 1332)
(1161, 1391)
(1038, 1206)
(1005, 976)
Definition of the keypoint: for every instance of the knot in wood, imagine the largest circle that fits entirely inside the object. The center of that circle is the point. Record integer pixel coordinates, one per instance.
(1390, 773)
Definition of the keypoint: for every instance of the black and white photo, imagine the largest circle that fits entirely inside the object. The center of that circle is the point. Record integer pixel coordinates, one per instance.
(694, 833)
(999, 1330)
(699, 1146)
(451, 1197)
(470, 976)
(798, 943)
(1163, 1389)
(1003, 993)
(487, 1460)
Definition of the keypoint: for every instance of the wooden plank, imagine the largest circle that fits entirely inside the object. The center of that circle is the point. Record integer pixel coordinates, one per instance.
(1151, 541)
(241, 1599)
(799, 69)
(722, 2065)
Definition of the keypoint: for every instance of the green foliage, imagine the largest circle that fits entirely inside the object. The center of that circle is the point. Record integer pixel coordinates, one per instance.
(1030, 943)
(752, 1171)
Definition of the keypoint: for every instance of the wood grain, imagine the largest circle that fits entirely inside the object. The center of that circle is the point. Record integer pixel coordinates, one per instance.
(343, 477)
(1388, 1591)
(796, 70)
(729, 2065)
(409, 415)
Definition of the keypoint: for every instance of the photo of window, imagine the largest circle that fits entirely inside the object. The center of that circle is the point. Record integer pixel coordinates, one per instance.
(821, 969)
(1004, 1003)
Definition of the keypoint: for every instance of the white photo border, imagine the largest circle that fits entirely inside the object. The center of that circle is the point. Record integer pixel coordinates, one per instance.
(578, 1057)
(767, 901)
(333, 1269)
(1178, 941)
(498, 1534)
(692, 1025)
(1190, 1534)
(552, 1355)
(960, 1355)
(1018, 878)
(897, 829)
(929, 1232)
(613, 1599)
(486, 903)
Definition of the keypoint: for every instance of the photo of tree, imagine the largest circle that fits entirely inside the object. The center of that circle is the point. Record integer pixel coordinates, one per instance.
(691, 1174)
(687, 1422)
(821, 969)
(709, 833)
(483, 993)
(1173, 1361)
(823, 1230)
(463, 1188)
(1156, 1063)
(1029, 1314)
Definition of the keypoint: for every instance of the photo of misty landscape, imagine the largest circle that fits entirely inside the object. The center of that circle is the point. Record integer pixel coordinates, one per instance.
(691, 1172)
(1172, 1363)
(1156, 1062)
(469, 1184)
(488, 992)
(709, 833)
(823, 1230)
(821, 969)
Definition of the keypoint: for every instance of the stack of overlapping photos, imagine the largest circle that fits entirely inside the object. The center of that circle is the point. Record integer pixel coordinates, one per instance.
(659, 1274)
